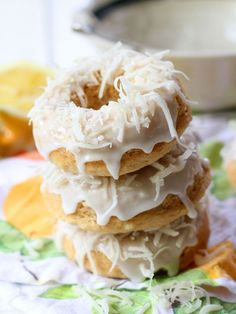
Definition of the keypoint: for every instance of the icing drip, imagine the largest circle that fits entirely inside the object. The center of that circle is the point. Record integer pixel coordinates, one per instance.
(138, 254)
(133, 193)
(143, 115)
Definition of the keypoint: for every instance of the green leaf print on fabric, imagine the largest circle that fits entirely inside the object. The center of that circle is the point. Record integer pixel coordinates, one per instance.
(196, 276)
(226, 307)
(114, 301)
(158, 292)
(221, 186)
(12, 240)
(211, 151)
(62, 292)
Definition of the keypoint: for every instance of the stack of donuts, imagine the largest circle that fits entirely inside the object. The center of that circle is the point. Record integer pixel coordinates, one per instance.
(122, 177)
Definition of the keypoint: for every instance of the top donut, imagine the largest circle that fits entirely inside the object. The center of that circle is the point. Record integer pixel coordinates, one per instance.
(112, 114)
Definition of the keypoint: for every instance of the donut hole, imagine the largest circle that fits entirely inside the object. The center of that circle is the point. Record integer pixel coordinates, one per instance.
(93, 101)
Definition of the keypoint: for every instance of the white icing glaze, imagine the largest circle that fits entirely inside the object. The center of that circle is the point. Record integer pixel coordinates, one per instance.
(133, 193)
(138, 254)
(144, 114)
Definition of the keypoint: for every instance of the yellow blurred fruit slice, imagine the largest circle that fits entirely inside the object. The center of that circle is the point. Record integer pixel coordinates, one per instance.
(24, 208)
(20, 85)
(15, 134)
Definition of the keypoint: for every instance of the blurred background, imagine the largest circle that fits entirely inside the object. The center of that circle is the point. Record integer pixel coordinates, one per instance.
(37, 36)
(41, 31)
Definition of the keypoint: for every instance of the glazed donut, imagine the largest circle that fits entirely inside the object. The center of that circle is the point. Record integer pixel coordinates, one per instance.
(150, 198)
(111, 115)
(136, 255)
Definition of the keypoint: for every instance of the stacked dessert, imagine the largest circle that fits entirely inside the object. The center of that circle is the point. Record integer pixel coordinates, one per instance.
(123, 176)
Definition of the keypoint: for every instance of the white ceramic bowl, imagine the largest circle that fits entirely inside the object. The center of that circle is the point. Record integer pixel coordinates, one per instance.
(200, 34)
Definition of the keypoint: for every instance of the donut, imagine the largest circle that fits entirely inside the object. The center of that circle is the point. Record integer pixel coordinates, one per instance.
(134, 205)
(136, 255)
(111, 115)
(187, 259)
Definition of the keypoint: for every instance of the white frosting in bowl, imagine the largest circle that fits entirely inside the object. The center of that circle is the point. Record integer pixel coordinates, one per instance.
(133, 193)
(138, 254)
(143, 115)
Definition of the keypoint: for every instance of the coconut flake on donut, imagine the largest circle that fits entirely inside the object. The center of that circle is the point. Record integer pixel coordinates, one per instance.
(141, 109)
(138, 254)
(131, 194)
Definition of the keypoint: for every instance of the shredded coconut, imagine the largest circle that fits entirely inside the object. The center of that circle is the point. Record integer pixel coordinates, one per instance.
(161, 297)
(132, 194)
(143, 115)
(138, 254)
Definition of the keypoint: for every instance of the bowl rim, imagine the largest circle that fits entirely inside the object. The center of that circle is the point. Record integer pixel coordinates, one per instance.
(90, 21)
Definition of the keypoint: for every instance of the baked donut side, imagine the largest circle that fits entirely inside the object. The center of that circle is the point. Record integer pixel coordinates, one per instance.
(131, 160)
(169, 210)
(112, 115)
(98, 262)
